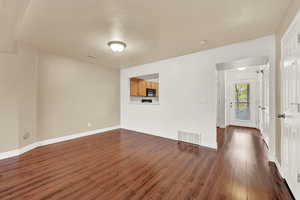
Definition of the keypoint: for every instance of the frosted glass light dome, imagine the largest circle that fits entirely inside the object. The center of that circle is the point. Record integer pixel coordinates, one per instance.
(117, 46)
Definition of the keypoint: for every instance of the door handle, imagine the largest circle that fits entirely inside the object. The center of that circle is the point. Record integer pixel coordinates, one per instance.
(262, 108)
(281, 116)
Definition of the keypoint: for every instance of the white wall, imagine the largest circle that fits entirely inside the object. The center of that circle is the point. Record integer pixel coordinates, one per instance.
(17, 98)
(188, 91)
(75, 96)
(221, 100)
(57, 95)
(9, 102)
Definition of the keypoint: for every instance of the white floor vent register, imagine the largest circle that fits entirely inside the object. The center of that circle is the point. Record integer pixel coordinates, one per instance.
(194, 138)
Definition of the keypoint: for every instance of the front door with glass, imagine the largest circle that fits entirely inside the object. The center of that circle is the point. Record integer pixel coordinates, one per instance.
(242, 104)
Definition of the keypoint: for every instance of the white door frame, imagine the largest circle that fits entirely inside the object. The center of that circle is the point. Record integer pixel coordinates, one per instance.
(253, 106)
(264, 102)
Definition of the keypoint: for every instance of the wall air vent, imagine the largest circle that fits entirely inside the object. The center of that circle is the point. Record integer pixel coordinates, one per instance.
(194, 138)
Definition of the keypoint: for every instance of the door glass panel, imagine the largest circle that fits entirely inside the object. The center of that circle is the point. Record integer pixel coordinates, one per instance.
(242, 101)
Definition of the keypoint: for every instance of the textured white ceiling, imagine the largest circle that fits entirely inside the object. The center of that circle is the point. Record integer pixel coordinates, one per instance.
(153, 30)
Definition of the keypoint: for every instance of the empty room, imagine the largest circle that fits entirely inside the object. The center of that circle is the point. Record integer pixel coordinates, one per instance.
(173, 99)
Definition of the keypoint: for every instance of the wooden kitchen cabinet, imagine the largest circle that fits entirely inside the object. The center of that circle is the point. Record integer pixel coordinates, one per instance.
(148, 84)
(152, 85)
(156, 87)
(138, 87)
(134, 87)
(142, 88)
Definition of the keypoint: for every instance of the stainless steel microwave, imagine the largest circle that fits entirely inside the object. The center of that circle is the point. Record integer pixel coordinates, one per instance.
(150, 92)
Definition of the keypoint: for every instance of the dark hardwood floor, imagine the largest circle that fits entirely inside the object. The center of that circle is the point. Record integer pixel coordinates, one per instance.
(122, 164)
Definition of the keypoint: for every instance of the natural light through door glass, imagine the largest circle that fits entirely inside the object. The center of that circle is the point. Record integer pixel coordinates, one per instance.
(242, 106)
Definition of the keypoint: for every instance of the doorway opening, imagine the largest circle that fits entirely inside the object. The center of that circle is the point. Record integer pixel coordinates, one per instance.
(243, 95)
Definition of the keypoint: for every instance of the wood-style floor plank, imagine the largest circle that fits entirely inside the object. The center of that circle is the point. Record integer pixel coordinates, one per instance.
(123, 164)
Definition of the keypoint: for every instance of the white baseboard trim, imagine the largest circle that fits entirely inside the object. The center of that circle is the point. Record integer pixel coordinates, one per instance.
(28, 148)
(74, 136)
(274, 159)
(9, 154)
(212, 145)
(22, 150)
(279, 168)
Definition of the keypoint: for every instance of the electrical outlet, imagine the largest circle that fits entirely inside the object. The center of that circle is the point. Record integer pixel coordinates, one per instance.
(26, 135)
(298, 178)
(89, 124)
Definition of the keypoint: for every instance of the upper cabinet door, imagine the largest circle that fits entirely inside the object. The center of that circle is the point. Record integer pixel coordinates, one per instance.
(148, 84)
(142, 88)
(134, 87)
(152, 85)
(156, 87)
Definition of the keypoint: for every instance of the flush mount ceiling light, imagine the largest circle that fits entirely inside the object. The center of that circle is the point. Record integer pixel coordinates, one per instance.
(117, 46)
(241, 68)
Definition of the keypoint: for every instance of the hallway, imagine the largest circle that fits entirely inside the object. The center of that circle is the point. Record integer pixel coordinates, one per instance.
(242, 169)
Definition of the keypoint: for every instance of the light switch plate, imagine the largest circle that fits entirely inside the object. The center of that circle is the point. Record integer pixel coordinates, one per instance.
(89, 124)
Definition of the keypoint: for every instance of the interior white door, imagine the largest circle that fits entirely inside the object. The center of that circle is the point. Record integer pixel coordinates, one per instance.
(242, 105)
(290, 138)
(264, 102)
